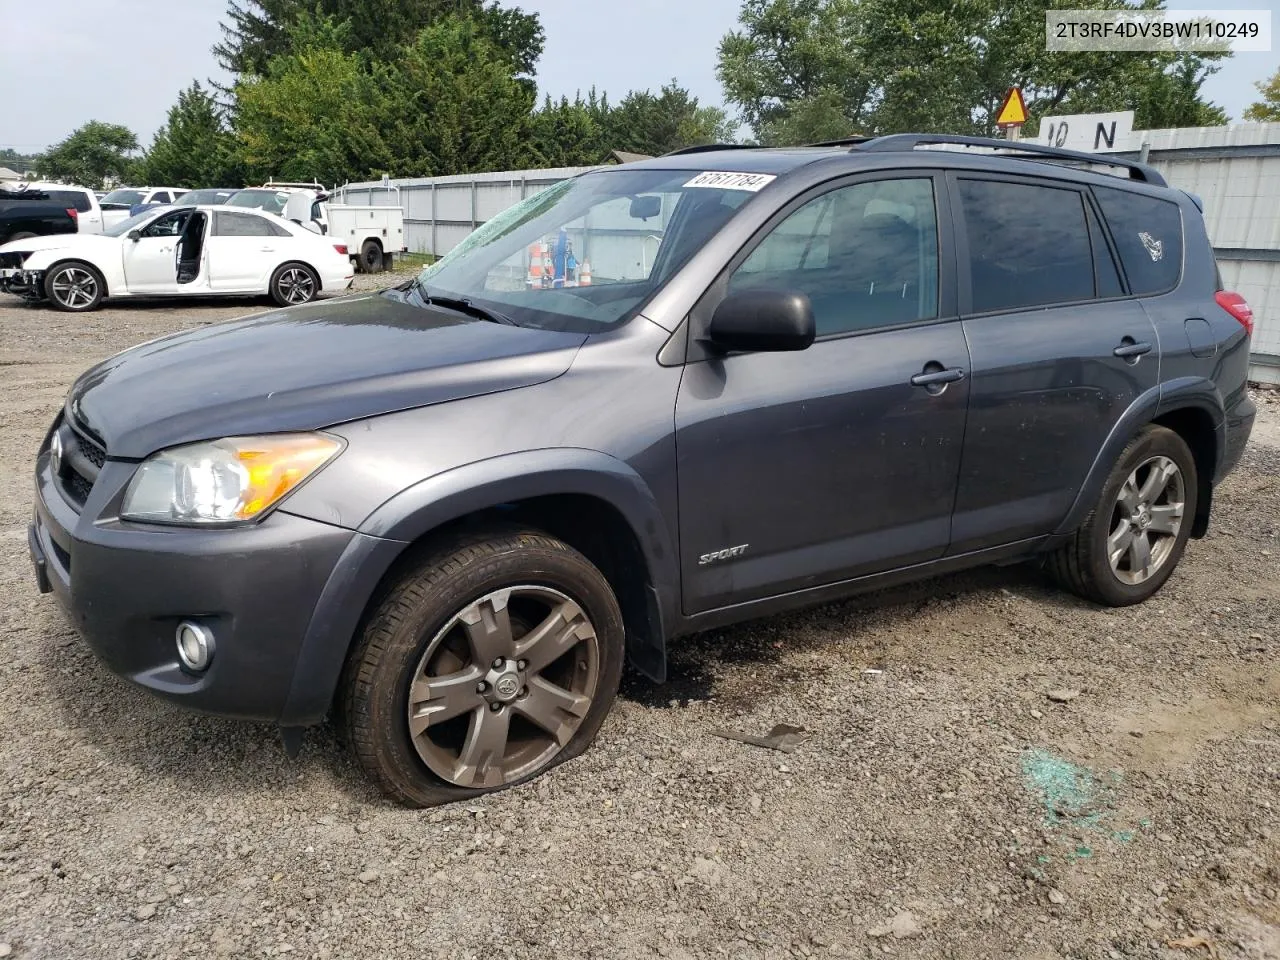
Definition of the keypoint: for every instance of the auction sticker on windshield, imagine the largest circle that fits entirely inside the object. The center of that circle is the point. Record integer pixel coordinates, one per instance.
(732, 181)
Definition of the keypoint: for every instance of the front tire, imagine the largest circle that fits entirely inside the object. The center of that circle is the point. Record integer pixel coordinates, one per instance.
(294, 283)
(494, 659)
(1134, 537)
(74, 287)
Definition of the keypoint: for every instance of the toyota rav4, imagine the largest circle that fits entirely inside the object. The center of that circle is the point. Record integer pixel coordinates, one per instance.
(449, 512)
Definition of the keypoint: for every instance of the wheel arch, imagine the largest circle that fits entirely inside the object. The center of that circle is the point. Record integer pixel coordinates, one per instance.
(591, 501)
(1193, 408)
(295, 261)
(61, 261)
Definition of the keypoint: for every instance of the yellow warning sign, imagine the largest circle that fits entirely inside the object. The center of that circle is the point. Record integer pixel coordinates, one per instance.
(1013, 112)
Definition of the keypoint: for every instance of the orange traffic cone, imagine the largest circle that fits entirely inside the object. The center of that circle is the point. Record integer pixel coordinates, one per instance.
(584, 274)
(536, 252)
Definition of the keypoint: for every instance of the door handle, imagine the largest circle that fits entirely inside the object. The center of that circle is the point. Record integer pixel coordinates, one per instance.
(266, 249)
(166, 249)
(936, 377)
(1129, 349)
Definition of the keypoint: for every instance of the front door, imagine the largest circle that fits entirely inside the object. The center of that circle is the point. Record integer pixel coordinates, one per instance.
(808, 468)
(150, 261)
(1058, 352)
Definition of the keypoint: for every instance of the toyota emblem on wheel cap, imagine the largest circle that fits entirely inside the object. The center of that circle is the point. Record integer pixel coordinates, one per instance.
(508, 686)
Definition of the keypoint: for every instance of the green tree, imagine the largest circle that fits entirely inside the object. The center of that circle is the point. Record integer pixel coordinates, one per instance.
(91, 155)
(256, 31)
(796, 67)
(566, 134)
(884, 66)
(644, 122)
(1266, 110)
(451, 103)
(194, 148)
(314, 115)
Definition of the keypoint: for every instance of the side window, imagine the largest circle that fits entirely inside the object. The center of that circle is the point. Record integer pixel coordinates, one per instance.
(1028, 245)
(1148, 235)
(866, 255)
(161, 196)
(227, 224)
(169, 225)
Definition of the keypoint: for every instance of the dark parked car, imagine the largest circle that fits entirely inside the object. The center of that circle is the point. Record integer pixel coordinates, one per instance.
(200, 198)
(451, 510)
(33, 214)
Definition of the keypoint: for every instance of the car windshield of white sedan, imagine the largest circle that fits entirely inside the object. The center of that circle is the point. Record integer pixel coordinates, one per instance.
(585, 254)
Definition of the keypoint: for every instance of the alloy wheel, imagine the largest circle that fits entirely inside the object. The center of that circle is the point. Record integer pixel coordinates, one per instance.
(503, 686)
(295, 285)
(1146, 520)
(74, 287)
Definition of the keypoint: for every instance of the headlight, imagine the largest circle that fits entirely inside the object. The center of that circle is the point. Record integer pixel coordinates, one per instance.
(224, 481)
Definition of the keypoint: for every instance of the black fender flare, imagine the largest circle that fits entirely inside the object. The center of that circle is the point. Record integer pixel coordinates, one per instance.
(1179, 394)
(447, 496)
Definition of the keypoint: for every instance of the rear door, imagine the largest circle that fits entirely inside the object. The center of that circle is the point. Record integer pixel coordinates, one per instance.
(243, 248)
(807, 468)
(1059, 353)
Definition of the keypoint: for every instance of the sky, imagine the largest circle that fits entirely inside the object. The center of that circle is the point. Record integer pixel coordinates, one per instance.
(76, 62)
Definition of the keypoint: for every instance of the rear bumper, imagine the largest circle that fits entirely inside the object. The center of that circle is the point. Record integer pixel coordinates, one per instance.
(1236, 426)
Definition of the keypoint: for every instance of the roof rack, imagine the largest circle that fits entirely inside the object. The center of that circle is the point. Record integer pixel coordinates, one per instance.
(909, 141)
(708, 147)
(841, 142)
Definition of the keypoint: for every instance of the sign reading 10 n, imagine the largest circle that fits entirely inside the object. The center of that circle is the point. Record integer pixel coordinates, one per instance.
(1090, 132)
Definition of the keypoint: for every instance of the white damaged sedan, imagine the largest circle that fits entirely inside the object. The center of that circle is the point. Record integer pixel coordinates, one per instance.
(178, 251)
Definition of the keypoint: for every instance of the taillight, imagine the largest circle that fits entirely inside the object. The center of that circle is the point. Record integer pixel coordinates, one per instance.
(75, 215)
(341, 248)
(1238, 307)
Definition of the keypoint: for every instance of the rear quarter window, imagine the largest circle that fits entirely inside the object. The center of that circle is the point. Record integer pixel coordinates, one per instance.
(1148, 237)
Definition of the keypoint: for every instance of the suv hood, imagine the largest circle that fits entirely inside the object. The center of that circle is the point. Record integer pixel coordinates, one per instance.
(305, 368)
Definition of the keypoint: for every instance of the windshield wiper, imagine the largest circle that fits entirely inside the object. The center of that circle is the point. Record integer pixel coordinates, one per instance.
(465, 305)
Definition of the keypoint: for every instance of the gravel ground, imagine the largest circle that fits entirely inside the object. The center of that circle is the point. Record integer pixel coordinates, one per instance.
(992, 769)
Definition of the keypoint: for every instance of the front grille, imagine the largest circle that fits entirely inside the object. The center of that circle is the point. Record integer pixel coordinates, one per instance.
(82, 460)
(92, 452)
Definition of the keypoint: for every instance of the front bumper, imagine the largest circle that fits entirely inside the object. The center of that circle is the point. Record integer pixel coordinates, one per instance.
(125, 587)
(22, 282)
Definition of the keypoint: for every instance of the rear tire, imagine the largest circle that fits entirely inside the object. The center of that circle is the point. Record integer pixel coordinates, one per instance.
(493, 659)
(371, 257)
(74, 287)
(1135, 535)
(293, 284)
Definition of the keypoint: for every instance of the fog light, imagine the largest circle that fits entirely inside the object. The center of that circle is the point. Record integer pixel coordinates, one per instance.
(195, 646)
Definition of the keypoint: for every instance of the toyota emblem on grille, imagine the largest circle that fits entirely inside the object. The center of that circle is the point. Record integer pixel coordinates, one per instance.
(55, 453)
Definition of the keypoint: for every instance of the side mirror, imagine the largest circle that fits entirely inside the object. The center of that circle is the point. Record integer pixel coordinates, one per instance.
(645, 206)
(135, 235)
(763, 320)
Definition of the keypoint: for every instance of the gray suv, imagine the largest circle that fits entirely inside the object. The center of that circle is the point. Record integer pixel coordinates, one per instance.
(648, 401)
